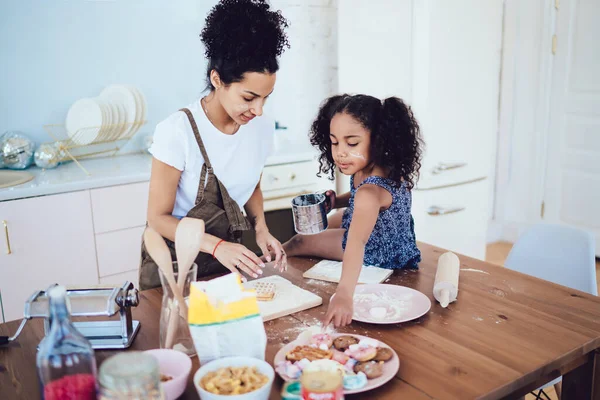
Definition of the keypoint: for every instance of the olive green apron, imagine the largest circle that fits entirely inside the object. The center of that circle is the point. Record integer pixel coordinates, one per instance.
(221, 214)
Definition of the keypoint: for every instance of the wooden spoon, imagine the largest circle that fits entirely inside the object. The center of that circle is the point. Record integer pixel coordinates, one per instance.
(158, 250)
(188, 239)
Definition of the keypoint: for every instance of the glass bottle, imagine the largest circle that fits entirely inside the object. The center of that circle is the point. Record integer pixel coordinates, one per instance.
(65, 359)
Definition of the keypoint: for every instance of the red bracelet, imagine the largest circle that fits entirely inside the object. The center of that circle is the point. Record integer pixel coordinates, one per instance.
(215, 249)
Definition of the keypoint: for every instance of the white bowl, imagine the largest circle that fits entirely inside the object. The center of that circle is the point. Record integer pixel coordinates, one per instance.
(175, 364)
(259, 394)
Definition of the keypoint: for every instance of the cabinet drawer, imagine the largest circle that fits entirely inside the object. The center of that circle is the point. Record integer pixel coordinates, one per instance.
(118, 251)
(51, 240)
(288, 175)
(460, 225)
(119, 207)
(118, 279)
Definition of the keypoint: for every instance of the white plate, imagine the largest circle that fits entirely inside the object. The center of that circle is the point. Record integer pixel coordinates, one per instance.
(120, 94)
(390, 367)
(401, 304)
(141, 107)
(120, 121)
(107, 120)
(84, 120)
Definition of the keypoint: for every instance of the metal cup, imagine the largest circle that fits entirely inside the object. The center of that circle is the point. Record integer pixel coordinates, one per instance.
(310, 213)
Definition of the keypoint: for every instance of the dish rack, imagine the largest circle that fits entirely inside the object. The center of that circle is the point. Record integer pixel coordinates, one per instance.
(91, 141)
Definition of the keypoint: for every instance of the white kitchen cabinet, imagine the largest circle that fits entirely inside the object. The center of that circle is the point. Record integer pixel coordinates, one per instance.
(454, 218)
(51, 241)
(119, 222)
(118, 279)
(119, 207)
(288, 176)
(118, 251)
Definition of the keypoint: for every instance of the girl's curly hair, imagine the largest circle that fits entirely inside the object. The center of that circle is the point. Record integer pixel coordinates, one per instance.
(396, 142)
(243, 36)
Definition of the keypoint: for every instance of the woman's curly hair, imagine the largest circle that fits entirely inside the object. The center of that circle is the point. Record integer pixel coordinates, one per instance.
(396, 142)
(243, 36)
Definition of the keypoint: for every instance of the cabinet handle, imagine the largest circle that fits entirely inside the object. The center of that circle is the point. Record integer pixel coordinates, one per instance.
(441, 167)
(292, 176)
(436, 210)
(8, 250)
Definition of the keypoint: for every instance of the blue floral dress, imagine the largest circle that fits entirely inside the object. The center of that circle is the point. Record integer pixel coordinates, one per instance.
(392, 243)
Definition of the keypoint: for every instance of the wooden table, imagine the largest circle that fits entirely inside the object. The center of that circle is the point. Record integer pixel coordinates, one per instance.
(507, 334)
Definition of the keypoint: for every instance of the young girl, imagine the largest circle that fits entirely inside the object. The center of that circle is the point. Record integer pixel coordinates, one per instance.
(379, 145)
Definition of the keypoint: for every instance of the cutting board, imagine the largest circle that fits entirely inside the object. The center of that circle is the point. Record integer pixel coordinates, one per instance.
(331, 271)
(288, 299)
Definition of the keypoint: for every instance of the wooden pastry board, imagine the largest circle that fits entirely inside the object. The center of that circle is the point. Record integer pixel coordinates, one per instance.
(331, 271)
(288, 299)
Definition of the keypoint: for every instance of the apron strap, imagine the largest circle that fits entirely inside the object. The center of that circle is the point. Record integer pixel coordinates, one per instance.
(206, 167)
(236, 219)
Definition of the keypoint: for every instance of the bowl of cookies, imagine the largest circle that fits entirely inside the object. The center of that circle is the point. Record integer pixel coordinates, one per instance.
(234, 378)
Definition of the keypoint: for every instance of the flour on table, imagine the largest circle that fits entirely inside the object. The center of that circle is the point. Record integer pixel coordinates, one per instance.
(331, 271)
(381, 306)
(474, 270)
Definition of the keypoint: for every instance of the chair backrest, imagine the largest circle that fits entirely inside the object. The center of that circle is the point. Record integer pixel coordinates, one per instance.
(557, 253)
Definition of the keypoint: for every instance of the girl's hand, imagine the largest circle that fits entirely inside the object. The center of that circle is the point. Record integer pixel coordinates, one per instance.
(268, 244)
(341, 308)
(237, 257)
(332, 198)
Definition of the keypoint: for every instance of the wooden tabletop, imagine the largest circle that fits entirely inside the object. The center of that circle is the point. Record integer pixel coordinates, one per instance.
(507, 334)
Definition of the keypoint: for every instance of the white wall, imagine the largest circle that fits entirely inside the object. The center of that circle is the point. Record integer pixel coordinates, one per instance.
(54, 52)
(525, 86)
(308, 70)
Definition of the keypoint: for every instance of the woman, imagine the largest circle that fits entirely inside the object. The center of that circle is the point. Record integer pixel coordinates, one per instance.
(208, 157)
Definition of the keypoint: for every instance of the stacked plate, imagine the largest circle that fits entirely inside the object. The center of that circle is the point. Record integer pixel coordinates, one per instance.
(117, 113)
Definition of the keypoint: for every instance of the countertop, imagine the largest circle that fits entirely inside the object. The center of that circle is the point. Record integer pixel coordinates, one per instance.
(111, 171)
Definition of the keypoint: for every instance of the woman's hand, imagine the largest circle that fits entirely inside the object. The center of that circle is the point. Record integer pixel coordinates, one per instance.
(269, 245)
(237, 257)
(340, 310)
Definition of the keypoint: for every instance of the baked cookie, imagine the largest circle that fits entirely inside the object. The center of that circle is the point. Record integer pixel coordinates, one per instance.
(308, 352)
(322, 341)
(342, 343)
(265, 291)
(383, 354)
(361, 354)
(372, 369)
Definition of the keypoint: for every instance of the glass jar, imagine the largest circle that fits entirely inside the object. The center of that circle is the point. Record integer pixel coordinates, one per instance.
(174, 330)
(133, 375)
(65, 359)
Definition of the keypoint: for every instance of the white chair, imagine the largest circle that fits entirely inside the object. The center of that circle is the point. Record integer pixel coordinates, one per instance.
(559, 254)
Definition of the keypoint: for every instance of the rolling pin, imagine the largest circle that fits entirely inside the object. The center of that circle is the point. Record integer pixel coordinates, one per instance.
(445, 287)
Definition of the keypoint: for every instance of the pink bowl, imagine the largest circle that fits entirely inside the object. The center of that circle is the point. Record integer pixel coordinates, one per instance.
(176, 364)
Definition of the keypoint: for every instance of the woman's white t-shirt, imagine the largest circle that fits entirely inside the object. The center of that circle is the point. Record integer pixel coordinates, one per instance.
(237, 160)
